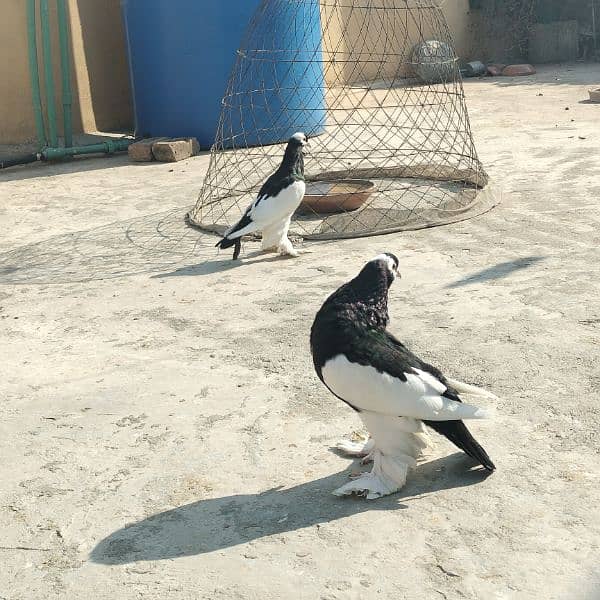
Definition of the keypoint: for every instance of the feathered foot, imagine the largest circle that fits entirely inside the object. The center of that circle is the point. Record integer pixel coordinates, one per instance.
(363, 449)
(395, 446)
(388, 475)
(286, 249)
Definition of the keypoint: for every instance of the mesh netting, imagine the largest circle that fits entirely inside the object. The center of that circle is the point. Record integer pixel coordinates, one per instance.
(504, 29)
(375, 85)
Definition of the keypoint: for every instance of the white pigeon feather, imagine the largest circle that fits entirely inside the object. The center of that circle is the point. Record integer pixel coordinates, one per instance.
(473, 390)
(367, 389)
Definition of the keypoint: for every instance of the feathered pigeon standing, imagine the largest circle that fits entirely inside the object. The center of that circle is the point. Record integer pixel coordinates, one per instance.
(394, 392)
(272, 210)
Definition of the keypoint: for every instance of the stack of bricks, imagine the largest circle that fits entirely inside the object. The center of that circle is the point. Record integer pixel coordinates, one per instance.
(163, 149)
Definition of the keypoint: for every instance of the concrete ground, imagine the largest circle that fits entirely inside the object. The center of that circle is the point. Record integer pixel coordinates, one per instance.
(162, 432)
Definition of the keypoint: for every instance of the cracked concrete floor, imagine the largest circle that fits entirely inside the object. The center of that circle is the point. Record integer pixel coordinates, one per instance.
(163, 434)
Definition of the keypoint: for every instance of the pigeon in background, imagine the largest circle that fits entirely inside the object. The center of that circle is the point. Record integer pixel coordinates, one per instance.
(272, 210)
(395, 393)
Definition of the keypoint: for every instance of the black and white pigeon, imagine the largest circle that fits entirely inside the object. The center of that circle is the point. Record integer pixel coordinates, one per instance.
(272, 210)
(394, 392)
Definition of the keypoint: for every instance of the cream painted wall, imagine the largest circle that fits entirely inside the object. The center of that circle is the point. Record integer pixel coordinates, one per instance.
(100, 79)
(462, 25)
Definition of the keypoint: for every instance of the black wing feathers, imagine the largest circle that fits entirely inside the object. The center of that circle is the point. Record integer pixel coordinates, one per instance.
(389, 355)
(460, 436)
(273, 185)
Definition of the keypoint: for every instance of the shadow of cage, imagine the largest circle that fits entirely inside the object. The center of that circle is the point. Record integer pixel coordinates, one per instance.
(146, 244)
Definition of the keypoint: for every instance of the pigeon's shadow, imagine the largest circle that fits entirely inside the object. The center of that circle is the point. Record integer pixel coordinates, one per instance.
(216, 523)
(219, 266)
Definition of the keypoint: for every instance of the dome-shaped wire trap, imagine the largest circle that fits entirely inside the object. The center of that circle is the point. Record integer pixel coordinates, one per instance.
(375, 85)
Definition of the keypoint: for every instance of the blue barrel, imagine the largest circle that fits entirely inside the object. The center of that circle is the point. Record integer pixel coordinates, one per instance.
(181, 53)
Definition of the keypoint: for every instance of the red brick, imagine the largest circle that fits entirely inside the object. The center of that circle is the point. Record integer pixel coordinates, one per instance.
(517, 70)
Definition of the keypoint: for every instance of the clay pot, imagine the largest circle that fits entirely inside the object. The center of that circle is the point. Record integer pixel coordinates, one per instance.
(327, 197)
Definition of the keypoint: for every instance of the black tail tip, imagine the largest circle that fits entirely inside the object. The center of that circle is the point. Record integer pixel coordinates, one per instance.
(486, 463)
(224, 243)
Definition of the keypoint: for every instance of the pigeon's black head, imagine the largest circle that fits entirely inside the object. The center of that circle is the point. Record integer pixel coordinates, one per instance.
(362, 302)
(384, 265)
(293, 157)
(375, 278)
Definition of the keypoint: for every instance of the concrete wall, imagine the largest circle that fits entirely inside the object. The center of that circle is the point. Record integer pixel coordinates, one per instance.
(100, 79)
(553, 42)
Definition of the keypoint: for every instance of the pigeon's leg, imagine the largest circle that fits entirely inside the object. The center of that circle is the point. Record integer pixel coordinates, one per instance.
(397, 444)
(285, 247)
(270, 238)
(289, 250)
(237, 249)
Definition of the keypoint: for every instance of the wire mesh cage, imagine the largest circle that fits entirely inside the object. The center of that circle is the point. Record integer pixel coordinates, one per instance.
(375, 85)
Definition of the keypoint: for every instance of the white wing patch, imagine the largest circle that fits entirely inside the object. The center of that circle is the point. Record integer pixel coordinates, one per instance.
(418, 397)
(268, 210)
(431, 380)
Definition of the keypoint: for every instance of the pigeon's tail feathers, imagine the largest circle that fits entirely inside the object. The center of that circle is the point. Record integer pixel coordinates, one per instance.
(232, 236)
(473, 390)
(225, 243)
(476, 412)
(460, 436)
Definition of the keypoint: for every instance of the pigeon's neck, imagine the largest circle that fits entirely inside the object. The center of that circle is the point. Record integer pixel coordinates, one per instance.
(373, 311)
(350, 313)
(293, 163)
(363, 303)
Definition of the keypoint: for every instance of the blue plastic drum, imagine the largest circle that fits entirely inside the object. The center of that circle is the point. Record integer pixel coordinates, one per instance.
(181, 53)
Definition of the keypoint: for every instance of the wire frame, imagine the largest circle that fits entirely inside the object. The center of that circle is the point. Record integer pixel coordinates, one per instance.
(375, 84)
